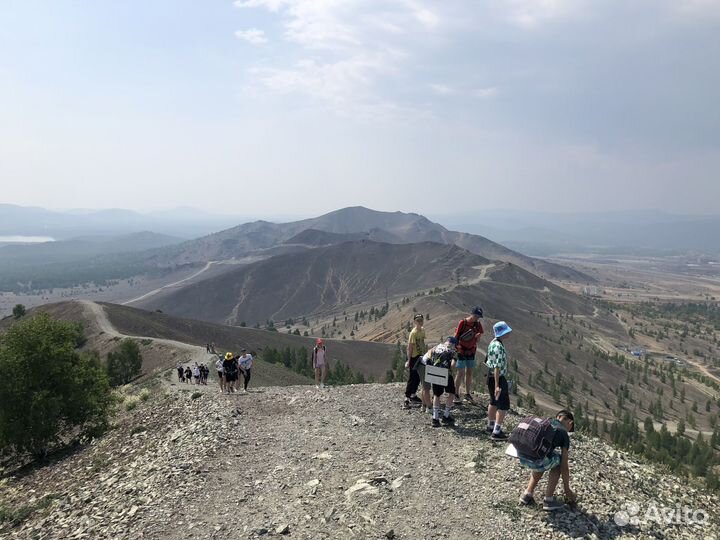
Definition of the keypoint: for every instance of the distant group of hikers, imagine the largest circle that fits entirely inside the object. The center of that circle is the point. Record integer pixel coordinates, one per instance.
(535, 440)
(196, 374)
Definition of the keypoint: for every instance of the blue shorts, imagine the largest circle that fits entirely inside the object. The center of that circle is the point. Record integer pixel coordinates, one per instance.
(466, 362)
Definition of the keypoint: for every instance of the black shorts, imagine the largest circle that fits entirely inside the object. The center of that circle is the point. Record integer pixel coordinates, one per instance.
(440, 390)
(231, 377)
(503, 402)
(220, 374)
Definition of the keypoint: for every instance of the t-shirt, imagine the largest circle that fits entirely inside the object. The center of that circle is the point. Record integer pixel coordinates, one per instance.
(245, 361)
(230, 366)
(416, 342)
(319, 356)
(496, 357)
(561, 439)
(219, 365)
(442, 356)
(468, 347)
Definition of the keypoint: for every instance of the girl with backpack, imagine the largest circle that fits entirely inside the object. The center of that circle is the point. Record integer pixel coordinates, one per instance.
(319, 363)
(497, 381)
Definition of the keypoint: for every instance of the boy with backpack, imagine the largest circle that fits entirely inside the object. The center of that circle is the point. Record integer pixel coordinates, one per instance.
(415, 349)
(467, 334)
(535, 440)
(443, 355)
(497, 381)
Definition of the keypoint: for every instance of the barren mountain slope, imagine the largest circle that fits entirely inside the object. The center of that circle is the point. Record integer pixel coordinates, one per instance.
(371, 359)
(399, 227)
(335, 464)
(317, 281)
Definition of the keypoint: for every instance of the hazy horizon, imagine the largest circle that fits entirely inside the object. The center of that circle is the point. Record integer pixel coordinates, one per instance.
(298, 107)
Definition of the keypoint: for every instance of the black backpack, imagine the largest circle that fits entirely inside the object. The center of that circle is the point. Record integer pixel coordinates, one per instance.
(533, 437)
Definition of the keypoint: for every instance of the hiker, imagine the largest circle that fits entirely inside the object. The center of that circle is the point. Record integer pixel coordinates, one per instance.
(207, 348)
(415, 349)
(497, 382)
(181, 373)
(319, 363)
(196, 373)
(443, 355)
(245, 363)
(529, 435)
(230, 370)
(467, 333)
(188, 375)
(220, 372)
(204, 373)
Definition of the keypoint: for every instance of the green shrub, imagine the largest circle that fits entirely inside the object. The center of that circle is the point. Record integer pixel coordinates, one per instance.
(53, 388)
(124, 363)
(131, 402)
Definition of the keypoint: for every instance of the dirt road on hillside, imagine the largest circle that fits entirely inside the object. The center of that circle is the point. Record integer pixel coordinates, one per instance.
(97, 313)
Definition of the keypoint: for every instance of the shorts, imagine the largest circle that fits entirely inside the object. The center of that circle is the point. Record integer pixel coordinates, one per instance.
(440, 390)
(541, 465)
(320, 366)
(220, 374)
(503, 402)
(466, 361)
(231, 377)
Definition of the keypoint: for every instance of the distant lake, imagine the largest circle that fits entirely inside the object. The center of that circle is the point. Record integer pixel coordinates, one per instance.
(25, 239)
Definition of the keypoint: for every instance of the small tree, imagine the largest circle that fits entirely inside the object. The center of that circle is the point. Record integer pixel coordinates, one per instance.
(18, 311)
(53, 388)
(124, 363)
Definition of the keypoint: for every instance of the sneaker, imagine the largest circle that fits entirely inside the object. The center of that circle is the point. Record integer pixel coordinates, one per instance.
(499, 436)
(406, 404)
(469, 398)
(448, 420)
(423, 409)
(489, 429)
(415, 399)
(551, 504)
(435, 422)
(527, 499)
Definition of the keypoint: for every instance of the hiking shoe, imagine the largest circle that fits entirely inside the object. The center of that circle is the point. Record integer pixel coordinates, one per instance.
(469, 398)
(435, 422)
(406, 404)
(552, 504)
(527, 499)
(489, 429)
(415, 399)
(499, 436)
(448, 420)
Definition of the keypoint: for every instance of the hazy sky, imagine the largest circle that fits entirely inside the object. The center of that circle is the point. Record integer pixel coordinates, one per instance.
(304, 106)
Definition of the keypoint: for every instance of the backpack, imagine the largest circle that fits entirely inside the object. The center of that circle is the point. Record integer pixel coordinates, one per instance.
(442, 356)
(533, 437)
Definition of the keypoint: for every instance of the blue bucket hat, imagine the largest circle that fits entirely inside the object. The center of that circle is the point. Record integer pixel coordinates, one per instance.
(501, 328)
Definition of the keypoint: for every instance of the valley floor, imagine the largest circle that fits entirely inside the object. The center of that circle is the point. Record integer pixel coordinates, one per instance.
(346, 462)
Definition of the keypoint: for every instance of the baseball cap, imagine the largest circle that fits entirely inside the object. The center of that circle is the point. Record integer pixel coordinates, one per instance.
(477, 311)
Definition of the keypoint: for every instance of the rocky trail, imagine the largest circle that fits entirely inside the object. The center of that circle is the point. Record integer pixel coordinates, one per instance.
(341, 462)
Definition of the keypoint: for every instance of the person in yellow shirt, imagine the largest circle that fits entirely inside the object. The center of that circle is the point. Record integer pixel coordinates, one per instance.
(415, 349)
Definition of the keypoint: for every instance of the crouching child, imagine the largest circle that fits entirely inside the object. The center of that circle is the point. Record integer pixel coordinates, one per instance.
(537, 441)
(445, 356)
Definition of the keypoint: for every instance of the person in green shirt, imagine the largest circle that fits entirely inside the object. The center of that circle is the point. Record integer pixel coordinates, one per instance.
(497, 381)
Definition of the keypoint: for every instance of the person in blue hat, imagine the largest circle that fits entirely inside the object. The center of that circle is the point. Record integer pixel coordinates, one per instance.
(497, 381)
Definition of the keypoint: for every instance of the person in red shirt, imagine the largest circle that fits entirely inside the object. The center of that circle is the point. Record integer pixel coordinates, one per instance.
(468, 332)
